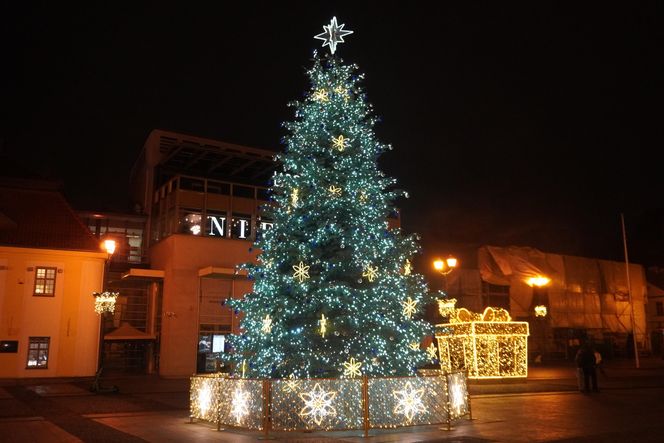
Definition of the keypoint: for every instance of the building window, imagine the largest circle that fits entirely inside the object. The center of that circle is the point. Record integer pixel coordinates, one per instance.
(241, 226)
(659, 306)
(45, 282)
(495, 296)
(38, 352)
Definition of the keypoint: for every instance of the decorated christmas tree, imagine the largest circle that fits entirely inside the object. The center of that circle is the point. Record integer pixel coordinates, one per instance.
(334, 289)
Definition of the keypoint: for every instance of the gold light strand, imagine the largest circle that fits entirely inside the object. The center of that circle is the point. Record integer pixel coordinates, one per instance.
(267, 324)
(340, 143)
(432, 352)
(295, 197)
(334, 190)
(343, 92)
(291, 384)
(414, 346)
(370, 272)
(321, 95)
(301, 272)
(408, 268)
(323, 325)
(409, 307)
(352, 368)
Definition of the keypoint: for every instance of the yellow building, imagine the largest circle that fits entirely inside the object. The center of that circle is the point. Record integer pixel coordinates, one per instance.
(50, 265)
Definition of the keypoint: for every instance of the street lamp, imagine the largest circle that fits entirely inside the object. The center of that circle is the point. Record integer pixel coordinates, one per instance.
(104, 302)
(540, 309)
(444, 267)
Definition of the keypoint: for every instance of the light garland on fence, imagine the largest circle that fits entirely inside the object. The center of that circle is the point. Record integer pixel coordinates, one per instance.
(331, 404)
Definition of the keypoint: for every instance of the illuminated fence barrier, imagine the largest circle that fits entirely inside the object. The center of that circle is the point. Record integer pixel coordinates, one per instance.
(329, 404)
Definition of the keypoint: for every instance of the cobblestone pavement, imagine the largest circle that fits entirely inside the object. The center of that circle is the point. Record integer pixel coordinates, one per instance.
(545, 407)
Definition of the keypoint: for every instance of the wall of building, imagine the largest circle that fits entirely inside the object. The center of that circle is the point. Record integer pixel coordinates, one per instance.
(181, 257)
(68, 318)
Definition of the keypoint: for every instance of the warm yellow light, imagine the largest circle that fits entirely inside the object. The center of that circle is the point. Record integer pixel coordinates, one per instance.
(105, 301)
(445, 266)
(538, 281)
(488, 345)
(446, 306)
(109, 246)
(540, 311)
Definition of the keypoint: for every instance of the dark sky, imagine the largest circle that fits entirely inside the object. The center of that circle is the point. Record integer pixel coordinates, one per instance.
(529, 123)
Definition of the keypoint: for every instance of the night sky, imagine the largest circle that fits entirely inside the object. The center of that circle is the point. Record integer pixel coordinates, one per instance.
(529, 124)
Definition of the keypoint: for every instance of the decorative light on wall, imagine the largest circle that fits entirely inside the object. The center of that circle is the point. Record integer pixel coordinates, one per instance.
(105, 301)
(540, 311)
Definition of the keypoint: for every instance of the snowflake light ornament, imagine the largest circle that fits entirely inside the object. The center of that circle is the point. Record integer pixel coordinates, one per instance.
(333, 34)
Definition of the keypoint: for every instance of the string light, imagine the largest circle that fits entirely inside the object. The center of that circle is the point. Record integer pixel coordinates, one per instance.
(301, 272)
(370, 272)
(318, 404)
(352, 368)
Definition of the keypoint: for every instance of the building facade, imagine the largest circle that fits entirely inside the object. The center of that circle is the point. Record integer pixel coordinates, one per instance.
(50, 265)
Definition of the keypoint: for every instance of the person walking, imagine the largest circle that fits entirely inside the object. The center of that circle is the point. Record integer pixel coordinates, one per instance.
(599, 364)
(585, 360)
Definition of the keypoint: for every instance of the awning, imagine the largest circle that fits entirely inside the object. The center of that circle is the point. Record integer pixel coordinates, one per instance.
(146, 274)
(128, 332)
(217, 272)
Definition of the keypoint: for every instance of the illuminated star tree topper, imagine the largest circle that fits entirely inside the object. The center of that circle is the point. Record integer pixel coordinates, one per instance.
(333, 34)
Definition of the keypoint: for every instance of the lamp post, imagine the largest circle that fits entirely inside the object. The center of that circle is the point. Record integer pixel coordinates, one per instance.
(540, 309)
(444, 267)
(104, 301)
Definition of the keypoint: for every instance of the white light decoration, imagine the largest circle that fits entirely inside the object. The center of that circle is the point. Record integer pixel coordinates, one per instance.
(370, 272)
(267, 324)
(204, 399)
(352, 368)
(409, 401)
(409, 307)
(301, 272)
(105, 301)
(318, 404)
(457, 398)
(333, 34)
(240, 404)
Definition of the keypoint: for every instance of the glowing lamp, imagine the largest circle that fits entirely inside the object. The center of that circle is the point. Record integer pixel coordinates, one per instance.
(109, 246)
(538, 281)
(445, 266)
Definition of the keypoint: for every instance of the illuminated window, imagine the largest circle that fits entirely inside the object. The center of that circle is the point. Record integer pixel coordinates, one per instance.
(38, 352)
(45, 282)
(659, 306)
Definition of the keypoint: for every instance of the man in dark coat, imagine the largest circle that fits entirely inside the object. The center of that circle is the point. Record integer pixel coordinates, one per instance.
(585, 359)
